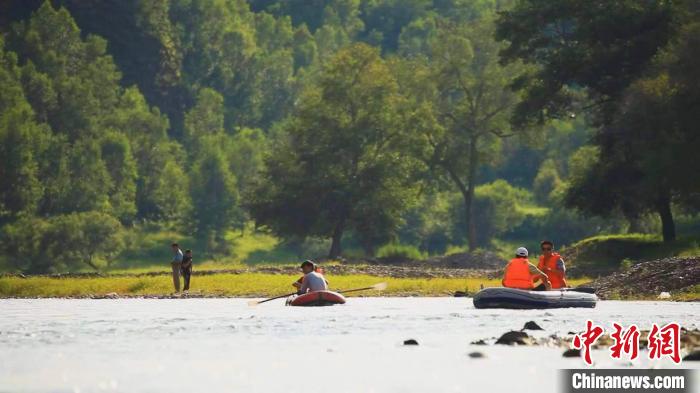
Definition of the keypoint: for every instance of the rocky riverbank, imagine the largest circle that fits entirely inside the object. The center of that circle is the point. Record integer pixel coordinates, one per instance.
(650, 279)
(690, 341)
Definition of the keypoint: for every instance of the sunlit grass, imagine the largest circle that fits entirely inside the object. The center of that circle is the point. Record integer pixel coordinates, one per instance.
(244, 285)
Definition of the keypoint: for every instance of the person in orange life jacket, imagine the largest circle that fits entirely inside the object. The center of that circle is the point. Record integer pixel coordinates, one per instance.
(521, 274)
(309, 268)
(552, 265)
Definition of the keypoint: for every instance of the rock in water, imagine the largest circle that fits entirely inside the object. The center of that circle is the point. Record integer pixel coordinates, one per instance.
(515, 338)
(478, 342)
(410, 341)
(460, 294)
(692, 357)
(572, 353)
(476, 355)
(531, 325)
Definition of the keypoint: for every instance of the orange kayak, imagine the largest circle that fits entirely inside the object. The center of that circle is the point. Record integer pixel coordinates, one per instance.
(318, 298)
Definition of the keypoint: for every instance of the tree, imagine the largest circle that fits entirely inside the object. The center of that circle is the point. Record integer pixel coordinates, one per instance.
(338, 166)
(245, 152)
(38, 246)
(469, 103)
(205, 119)
(22, 141)
(214, 194)
(497, 210)
(602, 47)
(120, 164)
(90, 238)
(162, 190)
(614, 52)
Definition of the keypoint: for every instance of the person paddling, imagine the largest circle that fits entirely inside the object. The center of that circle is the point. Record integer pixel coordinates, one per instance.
(552, 264)
(312, 280)
(521, 274)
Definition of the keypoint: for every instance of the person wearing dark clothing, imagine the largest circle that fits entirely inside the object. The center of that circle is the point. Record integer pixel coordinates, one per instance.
(187, 268)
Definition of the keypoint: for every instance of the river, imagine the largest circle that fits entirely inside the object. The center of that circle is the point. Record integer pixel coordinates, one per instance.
(223, 345)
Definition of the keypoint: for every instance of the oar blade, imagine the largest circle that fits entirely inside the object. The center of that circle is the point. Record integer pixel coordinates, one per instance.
(253, 303)
(380, 287)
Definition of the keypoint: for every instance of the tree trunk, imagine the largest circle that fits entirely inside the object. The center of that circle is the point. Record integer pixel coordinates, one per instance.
(335, 241)
(469, 198)
(668, 227)
(467, 191)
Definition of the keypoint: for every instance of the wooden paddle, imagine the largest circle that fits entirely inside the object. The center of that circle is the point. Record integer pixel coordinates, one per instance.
(256, 302)
(378, 287)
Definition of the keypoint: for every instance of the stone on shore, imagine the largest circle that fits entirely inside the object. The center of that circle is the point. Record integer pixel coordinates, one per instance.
(515, 338)
(531, 325)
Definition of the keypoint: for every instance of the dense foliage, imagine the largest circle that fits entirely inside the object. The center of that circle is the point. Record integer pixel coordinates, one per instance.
(420, 125)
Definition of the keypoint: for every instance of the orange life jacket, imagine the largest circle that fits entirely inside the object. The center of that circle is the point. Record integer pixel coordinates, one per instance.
(517, 274)
(549, 267)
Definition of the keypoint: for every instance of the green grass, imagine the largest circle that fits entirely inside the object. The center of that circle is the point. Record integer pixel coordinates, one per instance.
(400, 252)
(243, 285)
(252, 247)
(613, 251)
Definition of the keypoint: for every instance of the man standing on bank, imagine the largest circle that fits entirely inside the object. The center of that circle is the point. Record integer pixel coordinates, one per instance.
(176, 265)
(187, 269)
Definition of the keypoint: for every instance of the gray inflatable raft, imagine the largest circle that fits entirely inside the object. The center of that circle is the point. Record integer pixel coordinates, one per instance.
(521, 299)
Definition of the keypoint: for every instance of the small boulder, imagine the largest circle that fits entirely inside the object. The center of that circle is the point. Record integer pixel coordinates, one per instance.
(478, 342)
(531, 325)
(692, 357)
(572, 353)
(476, 355)
(410, 341)
(515, 338)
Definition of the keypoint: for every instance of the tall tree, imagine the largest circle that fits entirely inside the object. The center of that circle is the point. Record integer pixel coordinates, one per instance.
(613, 52)
(214, 195)
(22, 142)
(339, 164)
(602, 47)
(469, 102)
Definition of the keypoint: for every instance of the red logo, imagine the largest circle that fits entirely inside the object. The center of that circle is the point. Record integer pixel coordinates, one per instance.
(627, 343)
(585, 340)
(665, 342)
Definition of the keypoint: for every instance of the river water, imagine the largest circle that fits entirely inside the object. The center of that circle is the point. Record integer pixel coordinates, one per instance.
(223, 345)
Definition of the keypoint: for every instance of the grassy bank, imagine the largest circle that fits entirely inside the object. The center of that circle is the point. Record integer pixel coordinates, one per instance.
(609, 253)
(243, 285)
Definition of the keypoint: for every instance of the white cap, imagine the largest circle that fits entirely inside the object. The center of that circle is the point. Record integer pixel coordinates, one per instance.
(521, 252)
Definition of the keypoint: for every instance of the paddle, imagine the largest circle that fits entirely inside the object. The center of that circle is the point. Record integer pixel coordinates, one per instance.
(378, 287)
(256, 302)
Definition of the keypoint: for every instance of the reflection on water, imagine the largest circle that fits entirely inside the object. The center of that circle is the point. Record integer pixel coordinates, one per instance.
(224, 345)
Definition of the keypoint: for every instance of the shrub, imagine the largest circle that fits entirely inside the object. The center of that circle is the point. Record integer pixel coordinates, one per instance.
(69, 241)
(397, 251)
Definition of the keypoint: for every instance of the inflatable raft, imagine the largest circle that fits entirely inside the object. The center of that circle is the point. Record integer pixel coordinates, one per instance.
(318, 298)
(521, 299)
